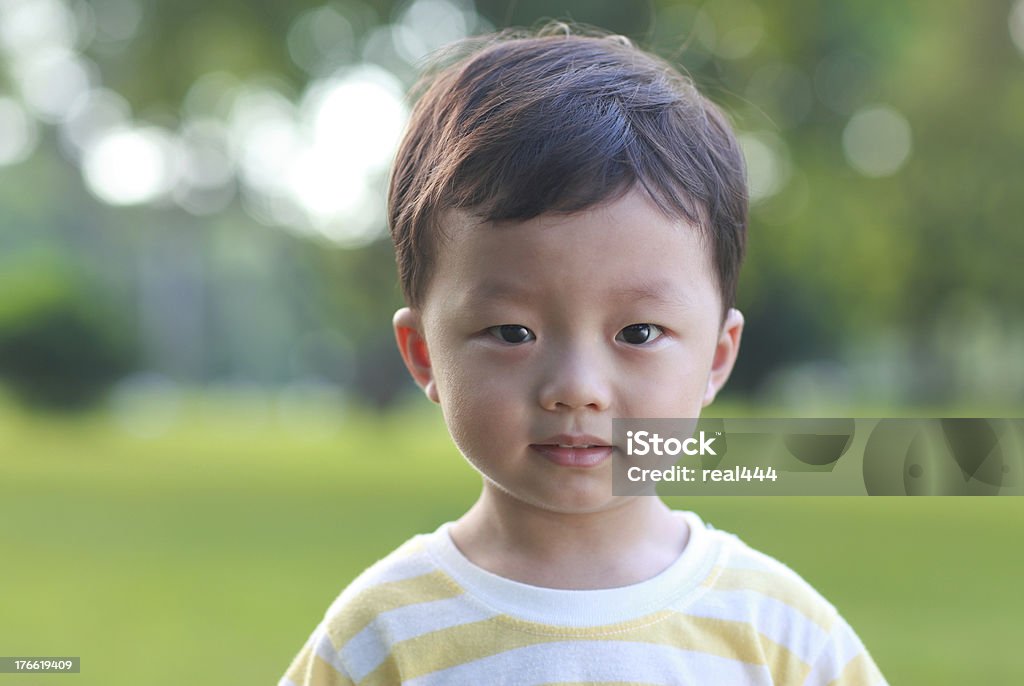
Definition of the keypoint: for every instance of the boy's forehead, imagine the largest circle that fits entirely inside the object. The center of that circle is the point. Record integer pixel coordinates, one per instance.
(630, 214)
(636, 251)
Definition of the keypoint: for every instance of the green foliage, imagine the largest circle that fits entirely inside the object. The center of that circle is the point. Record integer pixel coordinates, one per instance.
(57, 348)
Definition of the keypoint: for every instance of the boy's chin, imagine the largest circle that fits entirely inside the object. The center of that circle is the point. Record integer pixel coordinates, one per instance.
(578, 504)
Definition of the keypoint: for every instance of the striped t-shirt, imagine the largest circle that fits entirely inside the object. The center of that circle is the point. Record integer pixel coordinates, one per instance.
(722, 613)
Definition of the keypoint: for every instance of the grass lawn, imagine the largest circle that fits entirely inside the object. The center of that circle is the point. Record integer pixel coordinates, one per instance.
(207, 554)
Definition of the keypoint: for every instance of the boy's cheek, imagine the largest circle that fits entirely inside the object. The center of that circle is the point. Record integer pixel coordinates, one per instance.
(481, 424)
(470, 390)
(677, 391)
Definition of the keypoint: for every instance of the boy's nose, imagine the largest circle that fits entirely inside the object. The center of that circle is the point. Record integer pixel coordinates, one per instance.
(574, 381)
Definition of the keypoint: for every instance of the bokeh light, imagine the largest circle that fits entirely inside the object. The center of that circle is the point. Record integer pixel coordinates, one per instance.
(1017, 25)
(117, 21)
(36, 26)
(95, 113)
(127, 166)
(321, 39)
(426, 25)
(206, 170)
(52, 81)
(314, 162)
(768, 165)
(18, 132)
(877, 141)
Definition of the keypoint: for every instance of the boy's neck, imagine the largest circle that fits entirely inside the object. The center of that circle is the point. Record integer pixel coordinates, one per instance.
(617, 547)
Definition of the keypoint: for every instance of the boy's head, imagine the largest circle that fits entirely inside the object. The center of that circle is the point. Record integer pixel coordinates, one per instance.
(569, 216)
(558, 123)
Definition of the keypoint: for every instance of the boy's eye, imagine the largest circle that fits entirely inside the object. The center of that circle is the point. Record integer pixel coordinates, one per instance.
(511, 333)
(638, 334)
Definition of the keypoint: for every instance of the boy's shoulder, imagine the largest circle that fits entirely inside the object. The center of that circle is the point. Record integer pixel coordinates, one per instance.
(406, 576)
(760, 577)
(799, 631)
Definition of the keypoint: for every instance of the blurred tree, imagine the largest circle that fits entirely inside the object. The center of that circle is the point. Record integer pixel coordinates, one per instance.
(58, 348)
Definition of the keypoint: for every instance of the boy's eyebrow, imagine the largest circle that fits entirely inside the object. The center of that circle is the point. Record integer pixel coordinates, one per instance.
(497, 290)
(660, 292)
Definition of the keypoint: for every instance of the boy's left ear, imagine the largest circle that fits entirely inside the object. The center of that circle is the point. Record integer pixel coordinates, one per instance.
(412, 344)
(726, 349)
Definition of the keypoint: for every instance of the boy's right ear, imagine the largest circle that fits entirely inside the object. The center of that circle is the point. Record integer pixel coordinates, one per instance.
(412, 344)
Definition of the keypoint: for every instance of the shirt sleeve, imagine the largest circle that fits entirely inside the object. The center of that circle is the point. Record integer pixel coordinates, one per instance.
(844, 661)
(316, 664)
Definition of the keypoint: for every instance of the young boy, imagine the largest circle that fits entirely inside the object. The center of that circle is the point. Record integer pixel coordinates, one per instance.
(569, 216)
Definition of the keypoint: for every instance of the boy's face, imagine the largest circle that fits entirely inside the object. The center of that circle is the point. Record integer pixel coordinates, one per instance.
(536, 334)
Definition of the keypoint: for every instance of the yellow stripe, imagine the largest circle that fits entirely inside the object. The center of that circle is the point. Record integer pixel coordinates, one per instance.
(730, 639)
(354, 616)
(719, 637)
(465, 643)
(453, 646)
(784, 665)
(308, 668)
(782, 588)
(859, 671)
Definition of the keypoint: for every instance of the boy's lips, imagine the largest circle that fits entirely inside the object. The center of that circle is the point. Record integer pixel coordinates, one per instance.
(574, 450)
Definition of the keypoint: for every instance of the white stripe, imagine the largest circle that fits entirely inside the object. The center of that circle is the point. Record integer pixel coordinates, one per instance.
(599, 661)
(842, 647)
(371, 646)
(772, 618)
(415, 620)
(404, 567)
(285, 681)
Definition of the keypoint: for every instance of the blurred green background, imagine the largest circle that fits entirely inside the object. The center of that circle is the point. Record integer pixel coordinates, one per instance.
(205, 432)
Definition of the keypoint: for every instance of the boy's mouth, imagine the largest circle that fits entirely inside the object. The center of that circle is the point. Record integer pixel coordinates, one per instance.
(574, 451)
